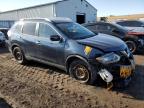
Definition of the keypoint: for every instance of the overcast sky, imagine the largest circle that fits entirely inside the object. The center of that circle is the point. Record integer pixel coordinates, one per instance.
(105, 7)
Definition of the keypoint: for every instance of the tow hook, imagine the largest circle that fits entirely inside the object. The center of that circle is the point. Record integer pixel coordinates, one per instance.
(107, 77)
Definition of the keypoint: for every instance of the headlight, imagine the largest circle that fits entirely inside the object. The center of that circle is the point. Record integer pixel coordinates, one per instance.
(109, 58)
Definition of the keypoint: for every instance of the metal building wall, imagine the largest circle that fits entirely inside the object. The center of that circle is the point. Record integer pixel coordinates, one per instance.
(6, 23)
(9, 16)
(71, 8)
(40, 11)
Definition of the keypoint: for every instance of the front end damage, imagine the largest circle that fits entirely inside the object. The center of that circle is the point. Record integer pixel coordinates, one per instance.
(116, 68)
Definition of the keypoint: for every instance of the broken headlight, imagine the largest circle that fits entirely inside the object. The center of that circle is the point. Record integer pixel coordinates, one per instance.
(109, 58)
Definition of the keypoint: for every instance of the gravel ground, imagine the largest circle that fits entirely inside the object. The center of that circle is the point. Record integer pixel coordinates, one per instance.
(40, 86)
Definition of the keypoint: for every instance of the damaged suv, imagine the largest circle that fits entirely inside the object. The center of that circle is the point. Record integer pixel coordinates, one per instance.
(69, 46)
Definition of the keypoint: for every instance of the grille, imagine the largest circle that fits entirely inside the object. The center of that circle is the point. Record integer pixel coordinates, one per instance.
(125, 55)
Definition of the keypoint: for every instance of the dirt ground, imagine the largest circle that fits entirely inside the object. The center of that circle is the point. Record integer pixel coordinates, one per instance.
(40, 86)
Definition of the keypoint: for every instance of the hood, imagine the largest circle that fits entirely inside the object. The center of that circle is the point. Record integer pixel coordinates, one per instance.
(106, 43)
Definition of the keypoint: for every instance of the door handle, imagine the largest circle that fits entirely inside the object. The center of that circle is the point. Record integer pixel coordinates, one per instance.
(38, 42)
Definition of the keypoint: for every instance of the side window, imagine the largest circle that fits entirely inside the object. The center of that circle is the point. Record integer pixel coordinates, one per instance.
(17, 27)
(130, 23)
(45, 30)
(125, 23)
(102, 27)
(136, 24)
(92, 27)
(29, 28)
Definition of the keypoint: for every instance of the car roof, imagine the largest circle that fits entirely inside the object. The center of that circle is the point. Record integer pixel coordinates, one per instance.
(51, 19)
(128, 20)
(106, 23)
(93, 23)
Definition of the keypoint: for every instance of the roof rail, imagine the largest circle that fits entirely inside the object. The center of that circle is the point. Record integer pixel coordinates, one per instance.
(26, 19)
(50, 19)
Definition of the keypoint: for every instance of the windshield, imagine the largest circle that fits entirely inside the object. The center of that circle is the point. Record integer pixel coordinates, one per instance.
(121, 27)
(74, 30)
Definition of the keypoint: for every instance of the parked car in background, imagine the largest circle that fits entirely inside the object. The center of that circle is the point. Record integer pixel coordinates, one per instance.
(69, 46)
(133, 41)
(2, 39)
(4, 30)
(136, 28)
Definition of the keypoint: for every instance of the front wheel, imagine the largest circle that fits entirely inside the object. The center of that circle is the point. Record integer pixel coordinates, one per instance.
(80, 71)
(132, 46)
(18, 55)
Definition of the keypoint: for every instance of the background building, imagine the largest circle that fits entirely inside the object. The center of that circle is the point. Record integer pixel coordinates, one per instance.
(78, 10)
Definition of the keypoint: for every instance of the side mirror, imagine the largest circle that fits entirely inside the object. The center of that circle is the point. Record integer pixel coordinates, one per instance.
(55, 38)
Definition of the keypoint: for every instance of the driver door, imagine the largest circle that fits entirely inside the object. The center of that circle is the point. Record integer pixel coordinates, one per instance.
(51, 51)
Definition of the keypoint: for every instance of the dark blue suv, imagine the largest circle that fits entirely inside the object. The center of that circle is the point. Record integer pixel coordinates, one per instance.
(69, 46)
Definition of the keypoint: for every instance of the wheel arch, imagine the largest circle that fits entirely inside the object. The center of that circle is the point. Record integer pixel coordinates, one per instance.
(131, 38)
(13, 46)
(71, 58)
(16, 45)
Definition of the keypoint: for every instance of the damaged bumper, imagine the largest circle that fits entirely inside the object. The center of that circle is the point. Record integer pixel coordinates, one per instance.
(121, 71)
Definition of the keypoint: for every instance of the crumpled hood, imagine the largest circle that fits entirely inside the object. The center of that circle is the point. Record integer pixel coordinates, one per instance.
(106, 43)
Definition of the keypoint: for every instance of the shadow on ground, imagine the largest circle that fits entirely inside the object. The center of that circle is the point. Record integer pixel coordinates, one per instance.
(139, 52)
(51, 69)
(136, 88)
(3, 50)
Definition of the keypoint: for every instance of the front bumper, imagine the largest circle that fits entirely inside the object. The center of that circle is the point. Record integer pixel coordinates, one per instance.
(121, 71)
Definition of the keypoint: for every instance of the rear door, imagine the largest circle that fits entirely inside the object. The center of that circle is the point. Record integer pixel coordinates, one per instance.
(30, 39)
(51, 51)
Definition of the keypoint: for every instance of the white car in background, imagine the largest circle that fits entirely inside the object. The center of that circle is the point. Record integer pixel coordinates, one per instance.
(2, 39)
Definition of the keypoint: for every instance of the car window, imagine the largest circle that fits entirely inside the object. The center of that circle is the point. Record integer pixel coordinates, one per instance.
(137, 24)
(45, 30)
(91, 27)
(103, 27)
(17, 27)
(130, 23)
(74, 30)
(123, 23)
(29, 28)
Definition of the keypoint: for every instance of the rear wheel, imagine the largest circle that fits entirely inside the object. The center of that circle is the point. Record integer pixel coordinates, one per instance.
(80, 71)
(132, 46)
(19, 56)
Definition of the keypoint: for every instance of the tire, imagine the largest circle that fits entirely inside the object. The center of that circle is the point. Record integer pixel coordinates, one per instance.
(132, 46)
(19, 55)
(80, 70)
